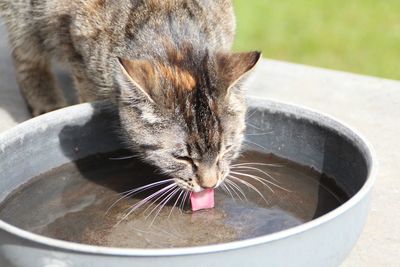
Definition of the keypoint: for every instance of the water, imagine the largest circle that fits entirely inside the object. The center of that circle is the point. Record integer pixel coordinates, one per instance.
(71, 202)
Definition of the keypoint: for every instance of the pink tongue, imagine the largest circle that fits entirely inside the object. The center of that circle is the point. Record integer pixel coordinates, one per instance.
(202, 200)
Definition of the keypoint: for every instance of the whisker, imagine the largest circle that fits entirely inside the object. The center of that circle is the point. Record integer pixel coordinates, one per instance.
(261, 180)
(135, 191)
(227, 190)
(176, 201)
(155, 183)
(168, 193)
(144, 201)
(229, 184)
(154, 202)
(257, 163)
(250, 115)
(187, 198)
(250, 186)
(164, 202)
(252, 125)
(237, 188)
(184, 199)
(255, 144)
(255, 169)
(259, 134)
(223, 188)
(123, 158)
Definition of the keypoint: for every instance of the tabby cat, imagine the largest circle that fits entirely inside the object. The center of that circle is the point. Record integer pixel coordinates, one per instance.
(165, 64)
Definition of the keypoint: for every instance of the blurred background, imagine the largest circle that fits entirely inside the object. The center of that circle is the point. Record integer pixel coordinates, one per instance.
(361, 36)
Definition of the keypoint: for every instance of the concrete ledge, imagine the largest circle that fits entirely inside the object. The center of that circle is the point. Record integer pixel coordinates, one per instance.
(372, 106)
(369, 104)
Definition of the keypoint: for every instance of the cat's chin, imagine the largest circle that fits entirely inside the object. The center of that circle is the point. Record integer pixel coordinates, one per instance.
(197, 190)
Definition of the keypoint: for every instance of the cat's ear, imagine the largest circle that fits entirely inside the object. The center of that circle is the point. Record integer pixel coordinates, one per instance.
(233, 68)
(141, 75)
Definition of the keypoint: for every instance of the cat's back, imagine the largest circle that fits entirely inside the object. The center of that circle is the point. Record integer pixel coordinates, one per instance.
(119, 22)
(140, 22)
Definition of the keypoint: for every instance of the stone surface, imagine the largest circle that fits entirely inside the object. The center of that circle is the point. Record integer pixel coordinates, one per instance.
(371, 105)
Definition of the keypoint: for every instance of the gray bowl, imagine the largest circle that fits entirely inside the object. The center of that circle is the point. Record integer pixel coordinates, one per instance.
(298, 134)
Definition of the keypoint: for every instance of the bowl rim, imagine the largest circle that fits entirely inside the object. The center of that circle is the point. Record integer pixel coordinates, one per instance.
(288, 109)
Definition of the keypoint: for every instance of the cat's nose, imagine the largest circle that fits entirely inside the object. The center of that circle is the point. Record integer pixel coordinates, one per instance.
(208, 182)
(207, 177)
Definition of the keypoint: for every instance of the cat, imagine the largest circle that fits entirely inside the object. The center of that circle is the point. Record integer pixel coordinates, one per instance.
(166, 65)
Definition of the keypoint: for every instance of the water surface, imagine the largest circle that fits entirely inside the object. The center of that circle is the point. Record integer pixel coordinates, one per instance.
(71, 202)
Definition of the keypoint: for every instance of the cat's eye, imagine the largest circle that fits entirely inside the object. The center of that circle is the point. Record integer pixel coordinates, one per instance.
(187, 159)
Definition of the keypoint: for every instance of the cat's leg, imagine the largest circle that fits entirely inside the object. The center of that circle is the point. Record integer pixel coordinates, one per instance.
(36, 82)
(86, 89)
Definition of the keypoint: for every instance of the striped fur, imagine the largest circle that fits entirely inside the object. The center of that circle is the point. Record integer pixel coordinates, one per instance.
(165, 64)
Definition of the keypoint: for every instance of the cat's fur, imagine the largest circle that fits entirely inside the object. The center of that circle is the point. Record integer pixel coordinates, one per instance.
(166, 65)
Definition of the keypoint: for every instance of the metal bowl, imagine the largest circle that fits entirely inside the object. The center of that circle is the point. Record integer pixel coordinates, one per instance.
(295, 133)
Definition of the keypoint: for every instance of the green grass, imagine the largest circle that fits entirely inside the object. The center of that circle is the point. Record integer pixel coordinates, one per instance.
(360, 36)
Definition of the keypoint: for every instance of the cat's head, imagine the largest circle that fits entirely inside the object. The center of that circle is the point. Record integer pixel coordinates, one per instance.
(186, 114)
